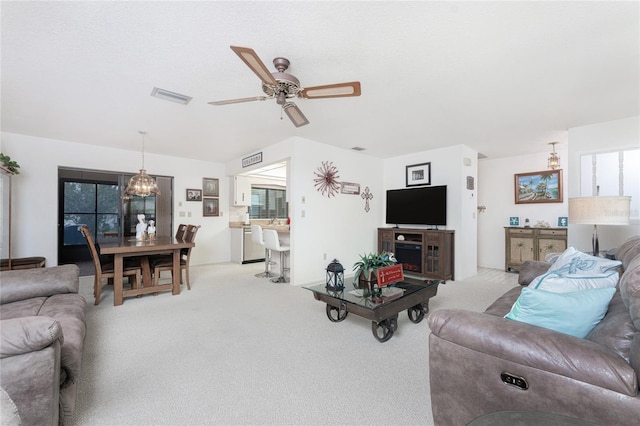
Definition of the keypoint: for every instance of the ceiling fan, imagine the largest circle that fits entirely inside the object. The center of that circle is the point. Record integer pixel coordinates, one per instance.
(283, 86)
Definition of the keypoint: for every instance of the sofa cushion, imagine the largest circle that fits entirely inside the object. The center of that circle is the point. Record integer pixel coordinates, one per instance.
(629, 249)
(41, 282)
(615, 331)
(9, 415)
(572, 261)
(531, 269)
(563, 283)
(630, 290)
(22, 308)
(575, 313)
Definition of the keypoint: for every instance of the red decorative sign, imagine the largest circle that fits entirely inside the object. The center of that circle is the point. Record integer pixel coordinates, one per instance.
(389, 274)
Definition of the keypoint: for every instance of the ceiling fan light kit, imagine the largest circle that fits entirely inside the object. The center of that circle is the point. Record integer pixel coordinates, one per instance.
(281, 86)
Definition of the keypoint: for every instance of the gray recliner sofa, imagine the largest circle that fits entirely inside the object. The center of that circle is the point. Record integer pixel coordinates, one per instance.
(42, 331)
(594, 379)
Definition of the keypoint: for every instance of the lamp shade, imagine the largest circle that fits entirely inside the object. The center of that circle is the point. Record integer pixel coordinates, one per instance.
(599, 210)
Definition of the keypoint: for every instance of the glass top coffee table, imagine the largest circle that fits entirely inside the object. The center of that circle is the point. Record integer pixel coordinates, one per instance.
(410, 294)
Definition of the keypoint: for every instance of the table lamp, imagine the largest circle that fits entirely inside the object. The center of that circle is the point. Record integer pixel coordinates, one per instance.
(599, 210)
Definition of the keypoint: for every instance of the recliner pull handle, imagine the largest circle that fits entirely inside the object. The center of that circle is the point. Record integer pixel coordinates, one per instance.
(513, 380)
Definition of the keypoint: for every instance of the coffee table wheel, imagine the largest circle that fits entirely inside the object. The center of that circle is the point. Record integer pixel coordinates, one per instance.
(384, 329)
(336, 314)
(417, 313)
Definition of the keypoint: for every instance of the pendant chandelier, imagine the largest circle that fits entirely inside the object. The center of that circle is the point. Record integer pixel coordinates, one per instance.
(142, 185)
(554, 160)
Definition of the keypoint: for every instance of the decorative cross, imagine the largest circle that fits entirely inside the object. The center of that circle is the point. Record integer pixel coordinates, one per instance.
(366, 195)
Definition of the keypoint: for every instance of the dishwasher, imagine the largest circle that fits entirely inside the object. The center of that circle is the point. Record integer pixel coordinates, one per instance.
(251, 251)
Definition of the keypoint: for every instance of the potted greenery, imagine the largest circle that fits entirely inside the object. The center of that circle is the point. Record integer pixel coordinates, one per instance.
(365, 269)
(9, 165)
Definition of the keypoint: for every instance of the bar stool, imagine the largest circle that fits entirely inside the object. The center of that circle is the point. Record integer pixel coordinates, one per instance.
(257, 237)
(272, 242)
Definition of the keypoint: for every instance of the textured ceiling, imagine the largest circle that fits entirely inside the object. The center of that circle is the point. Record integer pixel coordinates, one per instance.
(504, 78)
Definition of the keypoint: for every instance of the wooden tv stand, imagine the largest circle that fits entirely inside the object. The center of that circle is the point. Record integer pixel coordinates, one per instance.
(425, 253)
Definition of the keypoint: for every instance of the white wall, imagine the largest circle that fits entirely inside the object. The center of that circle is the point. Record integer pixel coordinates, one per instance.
(447, 168)
(496, 192)
(601, 137)
(35, 192)
(325, 228)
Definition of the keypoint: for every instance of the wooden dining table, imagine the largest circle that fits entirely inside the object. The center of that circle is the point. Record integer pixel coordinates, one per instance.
(130, 247)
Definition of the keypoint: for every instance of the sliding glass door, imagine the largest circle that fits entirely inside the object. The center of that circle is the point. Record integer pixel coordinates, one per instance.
(94, 199)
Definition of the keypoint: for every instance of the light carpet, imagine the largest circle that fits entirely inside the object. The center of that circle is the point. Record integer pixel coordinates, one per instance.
(240, 350)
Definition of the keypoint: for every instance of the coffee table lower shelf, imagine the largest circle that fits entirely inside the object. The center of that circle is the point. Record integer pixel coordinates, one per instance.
(383, 315)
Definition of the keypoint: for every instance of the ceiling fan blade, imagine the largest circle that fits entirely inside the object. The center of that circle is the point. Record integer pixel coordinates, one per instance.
(295, 115)
(338, 90)
(250, 57)
(237, 101)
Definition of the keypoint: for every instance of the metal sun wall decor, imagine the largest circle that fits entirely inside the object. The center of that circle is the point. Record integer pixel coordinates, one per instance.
(326, 182)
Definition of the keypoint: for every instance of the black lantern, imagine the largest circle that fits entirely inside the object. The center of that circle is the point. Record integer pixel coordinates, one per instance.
(335, 276)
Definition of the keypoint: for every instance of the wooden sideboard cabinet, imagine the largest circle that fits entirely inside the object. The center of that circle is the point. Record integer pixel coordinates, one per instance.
(523, 244)
(422, 252)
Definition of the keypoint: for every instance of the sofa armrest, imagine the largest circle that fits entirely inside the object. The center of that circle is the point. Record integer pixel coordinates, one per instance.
(535, 347)
(28, 334)
(39, 282)
(30, 357)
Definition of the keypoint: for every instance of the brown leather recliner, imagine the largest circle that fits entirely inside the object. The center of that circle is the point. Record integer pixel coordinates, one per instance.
(481, 362)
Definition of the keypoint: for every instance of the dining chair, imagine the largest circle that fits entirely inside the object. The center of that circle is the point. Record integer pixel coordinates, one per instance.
(182, 228)
(165, 262)
(272, 242)
(104, 267)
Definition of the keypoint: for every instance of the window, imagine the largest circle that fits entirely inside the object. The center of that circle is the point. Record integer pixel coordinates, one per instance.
(268, 203)
(612, 174)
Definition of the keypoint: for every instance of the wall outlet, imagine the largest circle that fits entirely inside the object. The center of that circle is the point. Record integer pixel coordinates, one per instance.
(324, 256)
(181, 214)
(189, 214)
(302, 213)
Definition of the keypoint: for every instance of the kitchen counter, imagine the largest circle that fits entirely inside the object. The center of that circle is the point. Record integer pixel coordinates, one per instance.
(279, 228)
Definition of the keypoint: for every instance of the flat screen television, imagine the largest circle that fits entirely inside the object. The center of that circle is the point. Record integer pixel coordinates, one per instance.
(417, 206)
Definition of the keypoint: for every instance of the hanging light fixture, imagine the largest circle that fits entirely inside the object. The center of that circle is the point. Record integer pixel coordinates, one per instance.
(142, 185)
(554, 160)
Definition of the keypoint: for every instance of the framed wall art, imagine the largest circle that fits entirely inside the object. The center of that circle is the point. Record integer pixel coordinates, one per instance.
(538, 187)
(194, 194)
(210, 207)
(210, 187)
(419, 174)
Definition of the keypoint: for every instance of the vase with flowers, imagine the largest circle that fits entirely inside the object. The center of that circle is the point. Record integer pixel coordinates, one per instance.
(365, 270)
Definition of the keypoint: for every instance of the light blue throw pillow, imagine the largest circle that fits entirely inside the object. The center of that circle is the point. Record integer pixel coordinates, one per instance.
(575, 313)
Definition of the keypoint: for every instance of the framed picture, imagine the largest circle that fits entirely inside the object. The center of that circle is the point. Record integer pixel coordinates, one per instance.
(210, 187)
(210, 207)
(419, 174)
(194, 194)
(538, 187)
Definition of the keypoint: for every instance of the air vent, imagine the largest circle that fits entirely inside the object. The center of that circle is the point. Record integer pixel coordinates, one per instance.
(358, 148)
(170, 96)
